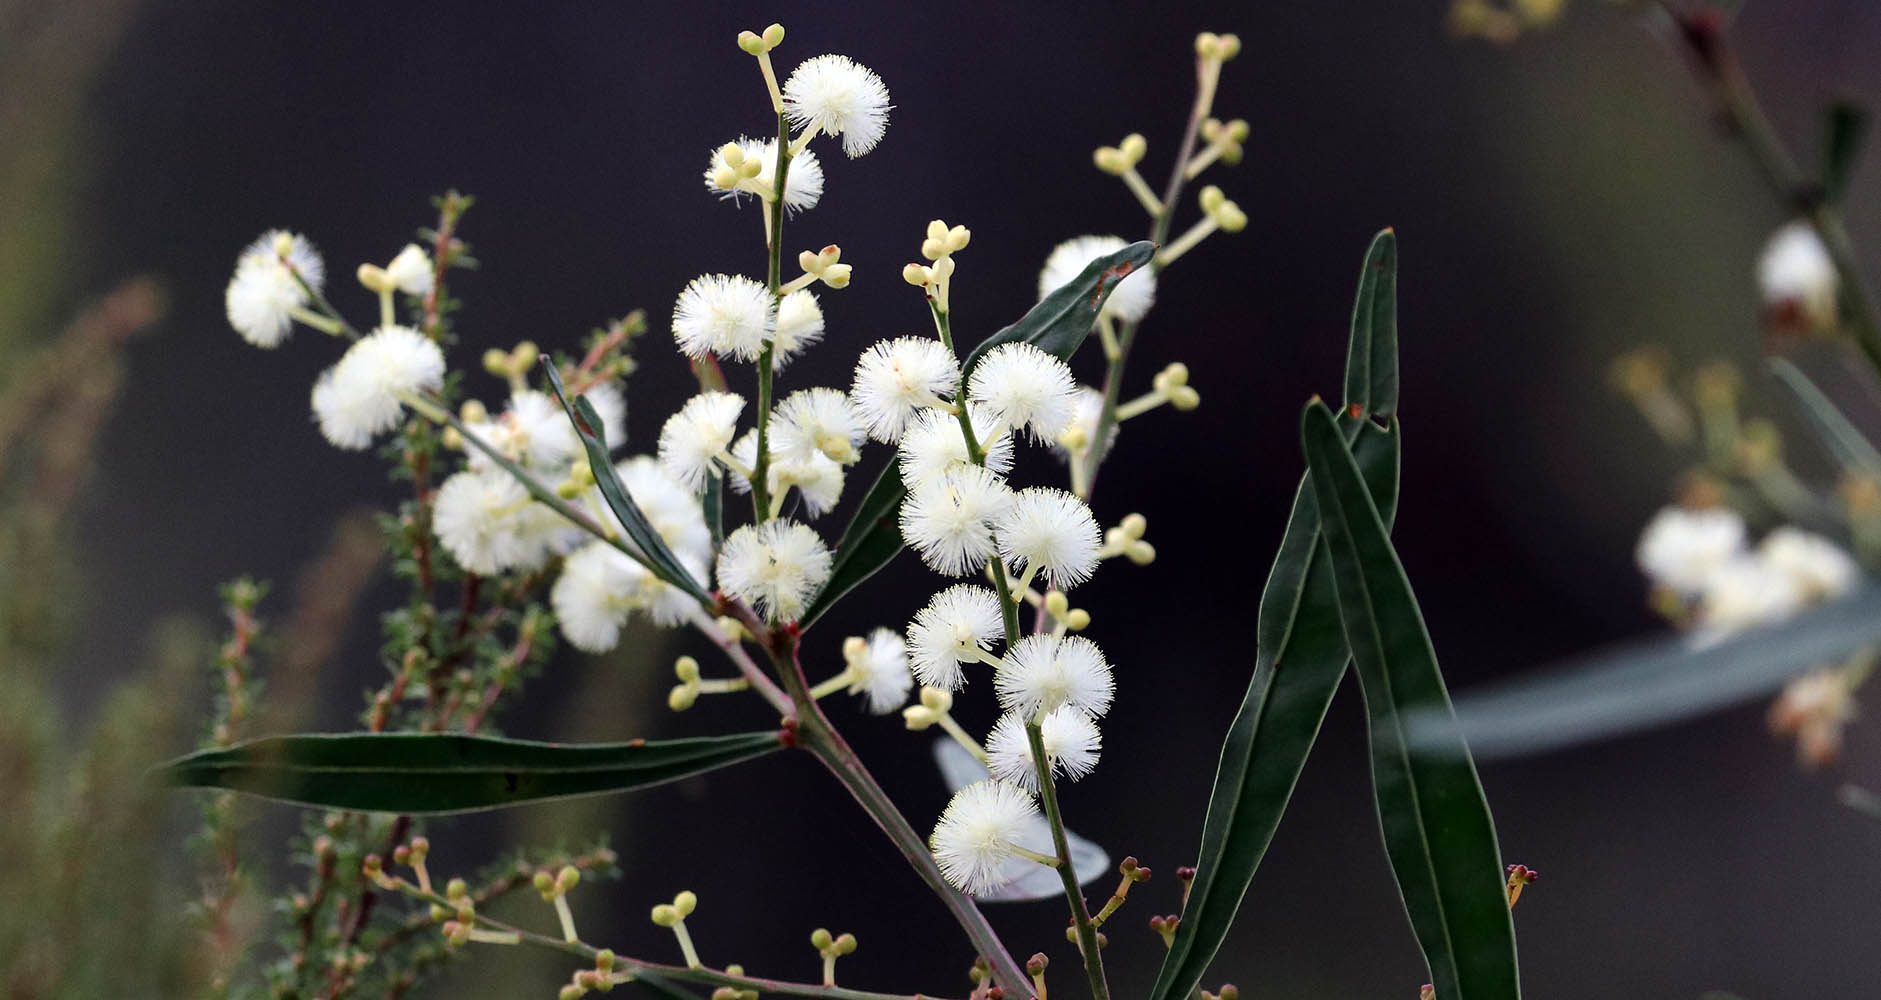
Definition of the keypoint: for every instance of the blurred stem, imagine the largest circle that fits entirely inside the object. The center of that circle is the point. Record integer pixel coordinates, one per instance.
(1080, 914)
(774, 240)
(1084, 473)
(1702, 30)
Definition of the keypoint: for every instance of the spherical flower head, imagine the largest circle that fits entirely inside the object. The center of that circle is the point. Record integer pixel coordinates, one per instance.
(1072, 744)
(803, 186)
(1089, 407)
(262, 295)
(724, 314)
(488, 524)
(932, 443)
(1044, 673)
(360, 396)
(958, 625)
(671, 510)
(1745, 592)
(1050, 532)
(1681, 547)
(697, 434)
(1796, 274)
(838, 96)
(1129, 302)
(1023, 386)
(975, 834)
(598, 587)
(897, 378)
(1819, 566)
(817, 480)
(541, 432)
(880, 673)
(818, 421)
(776, 567)
(949, 521)
(799, 326)
(411, 270)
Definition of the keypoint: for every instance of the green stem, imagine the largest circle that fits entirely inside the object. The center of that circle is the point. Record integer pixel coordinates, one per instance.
(1080, 914)
(774, 233)
(1207, 74)
(1703, 32)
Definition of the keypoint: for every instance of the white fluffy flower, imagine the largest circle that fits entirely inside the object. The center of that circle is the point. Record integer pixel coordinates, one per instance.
(1090, 406)
(598, 587)
(488, 524)
(896, 378)
(838, 96)
(611, 406)
(803, 186)
(879, 670)
(1044, 673)
(799, 325)
(1746, 592)
(1819, 566)
(975, 834)
(671, 510)
(262, 295)
(359, 397)
(1795, 271)
(697, 434)
(817, 422)
(776, 566)
(1023, 386)
(1681, 547)
(1052, 532)
(949, 521)
(958, 626)
(932, 443)
(1071, 740)
(724, 314)
(411, 270)
(535, 431)
(1128, 302)
(816, 479)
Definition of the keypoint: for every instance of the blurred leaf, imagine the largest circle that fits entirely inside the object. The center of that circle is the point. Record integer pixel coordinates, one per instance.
(713, 506)
(1371, 360)
(1436, 823)
(871, 540)
(1844, 129)
(1062, 319)
(1849, 446)
(1652, 683)
(1300, 659)
(593, 440)
(450, 772)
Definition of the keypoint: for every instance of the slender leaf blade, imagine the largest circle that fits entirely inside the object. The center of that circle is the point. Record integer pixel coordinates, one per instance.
(450, 772)
(1062, 319)
(1371, 361)
(1849, 446)
(1299, 661)
(1435, 818)
(594, 441)
(870, 542)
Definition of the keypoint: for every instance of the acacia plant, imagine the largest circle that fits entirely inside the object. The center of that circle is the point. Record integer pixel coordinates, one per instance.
(523, 523)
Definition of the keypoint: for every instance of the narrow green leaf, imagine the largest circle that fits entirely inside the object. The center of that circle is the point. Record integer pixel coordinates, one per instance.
(1371, 361)
(450, 772)
(1062, 319)
(587, 423)
(1436, 823)
(1849, 446)
(1057, 325)
(1299, 661)
(1844, 129)
(871, 540)
(713, 506)
(1651, 683)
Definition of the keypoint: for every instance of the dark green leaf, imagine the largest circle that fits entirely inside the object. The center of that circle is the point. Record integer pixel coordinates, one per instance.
(1371, 360)
(450, 772)
(1651, 683)
(1435, 819)
(871, 540)
(1063, 318)
(1844, 128)
(714, 509)
(1299, 660)
(660, 559)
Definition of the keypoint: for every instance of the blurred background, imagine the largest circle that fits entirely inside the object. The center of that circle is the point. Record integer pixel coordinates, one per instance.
(1558, 200)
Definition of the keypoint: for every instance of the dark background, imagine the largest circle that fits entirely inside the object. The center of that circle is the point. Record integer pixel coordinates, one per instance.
(1557, 201)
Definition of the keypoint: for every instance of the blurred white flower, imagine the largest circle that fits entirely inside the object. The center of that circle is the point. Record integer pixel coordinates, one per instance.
(360, 396)
(1819, 566)
(411, 270)
(262, 295)
(878, 669)
(1797, 276)
(488, 523)
(699, 433)
(1129, 302)
(1681, 547)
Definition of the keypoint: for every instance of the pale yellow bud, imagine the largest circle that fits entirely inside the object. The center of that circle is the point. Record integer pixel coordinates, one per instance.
(943, 269)
(1056, 604)
(1109, 159)
(732, 153)
(836, 275)
(1206, 44)
(567, 878)
(1133, 147)
(774, 36)
(283, 244)
(686, 669)
(958, 237)
(1227, 47)
(1133, 526)
(473, 412)
(937, 699)
(686, 901)
(918, 717)
(830, 254)
(725, 178)
(1078, 620)
(524, 356)
(934, 249)
(452, 439)
(1140, 552)
(845, 944)
(810, 262)
(855, 649)
(1183, 397)
(1074, 438)
(496, 362)
(917, 275)
(1174, 374)
(750, 43)
(568, 489)
(682, 697)
(1230, 217)
(1211, 199)
(374, 278)
(937, 230)
(821, 939)
(1237, 130)
(750, 168)
(664, 915)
